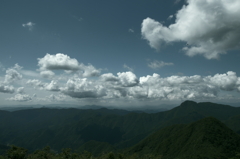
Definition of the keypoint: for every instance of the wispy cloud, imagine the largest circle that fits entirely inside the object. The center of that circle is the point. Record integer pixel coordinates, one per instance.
(77, 18)
(170, 17)
(131, 30)
(177, 1)
(29, 25)
(128, 68)
(159, 64)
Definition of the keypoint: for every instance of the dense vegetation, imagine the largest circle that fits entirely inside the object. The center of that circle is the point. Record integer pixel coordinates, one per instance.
(169, 134)
(207, 138)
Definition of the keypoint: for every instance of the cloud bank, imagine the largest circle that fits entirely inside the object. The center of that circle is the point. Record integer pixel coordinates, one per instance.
(109, 87)
(209, 28)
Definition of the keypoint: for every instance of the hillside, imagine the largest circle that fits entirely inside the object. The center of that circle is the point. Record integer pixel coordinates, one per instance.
(207, 138)
(73, 128)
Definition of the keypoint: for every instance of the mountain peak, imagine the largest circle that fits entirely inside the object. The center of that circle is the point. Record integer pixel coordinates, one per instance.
(189, 102)
(206, 138)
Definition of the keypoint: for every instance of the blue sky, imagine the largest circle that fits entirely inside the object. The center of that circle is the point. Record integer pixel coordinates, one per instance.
(119, 52)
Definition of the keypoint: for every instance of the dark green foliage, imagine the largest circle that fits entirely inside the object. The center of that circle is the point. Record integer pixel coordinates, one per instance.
(96, 147)
(16, 153)
(207, 138)
(101, 133)
(113, 129)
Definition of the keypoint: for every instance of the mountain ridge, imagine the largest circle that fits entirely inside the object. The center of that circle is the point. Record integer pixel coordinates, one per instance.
(206, 138)
(65, 127)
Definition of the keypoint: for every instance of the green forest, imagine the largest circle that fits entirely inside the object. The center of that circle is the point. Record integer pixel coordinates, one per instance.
(189, 131)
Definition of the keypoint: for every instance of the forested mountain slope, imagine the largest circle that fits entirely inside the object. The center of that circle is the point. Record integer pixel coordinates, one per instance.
(62, 128)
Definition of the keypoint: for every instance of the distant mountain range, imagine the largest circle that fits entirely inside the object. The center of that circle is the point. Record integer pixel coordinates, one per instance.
(146, 109)
(104, 130)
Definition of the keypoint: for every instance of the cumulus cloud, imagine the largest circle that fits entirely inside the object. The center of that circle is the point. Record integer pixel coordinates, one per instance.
(89, 70)
(20, 90)
(12, 74)
(57, 62)
(159, 64)
(47, 73)
(188, 87)
(178, 87)
(36, 84)
(20, 98)
(127, 79)
(52, 86)
(109, 77)
(209, 27)
(227, 81)
(60, 61)
(124, 79)
(82, 88)
(29, 25)
(6, 89)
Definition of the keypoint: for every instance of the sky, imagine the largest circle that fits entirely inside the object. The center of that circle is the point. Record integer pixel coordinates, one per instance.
(119, 53)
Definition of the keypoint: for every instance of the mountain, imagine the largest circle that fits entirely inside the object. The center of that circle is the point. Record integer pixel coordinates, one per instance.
(73, 128)
(207, 138)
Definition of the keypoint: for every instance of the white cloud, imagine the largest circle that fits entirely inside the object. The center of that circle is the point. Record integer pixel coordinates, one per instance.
(209, 27)
(227, 81)
(57, 62)
(6, 89)
(29, 25)
(89, 70)
(123, 79)
(124, 86)
(47, 73)
(20, 90)
(20, 98)
(109, 77)
(82, 88)
(60, 61)
(178, 87)
(12, 74)
(53, 86)
(127, 79)
(36, 84)
(159, 64)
